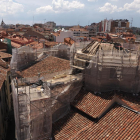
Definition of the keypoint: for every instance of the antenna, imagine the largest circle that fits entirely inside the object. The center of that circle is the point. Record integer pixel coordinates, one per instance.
(78, 22)
(131, 22)
(44, 21)
(33, 20)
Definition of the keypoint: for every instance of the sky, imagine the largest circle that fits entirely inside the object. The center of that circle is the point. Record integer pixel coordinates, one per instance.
(69, 12)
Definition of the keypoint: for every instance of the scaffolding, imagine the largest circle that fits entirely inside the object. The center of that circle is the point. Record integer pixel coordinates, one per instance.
(75, 48)
(38, 105)
(109, 66)
(26, 56)
(41, 101)
(64, 50)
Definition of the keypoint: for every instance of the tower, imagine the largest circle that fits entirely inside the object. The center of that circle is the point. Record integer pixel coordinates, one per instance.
(2, 23)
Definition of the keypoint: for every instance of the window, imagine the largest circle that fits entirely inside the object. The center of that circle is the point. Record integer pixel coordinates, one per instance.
(9, 79)
(113, 73)
(10, 89)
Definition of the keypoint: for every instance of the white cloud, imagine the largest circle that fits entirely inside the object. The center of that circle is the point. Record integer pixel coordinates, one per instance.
(32, 3)
(93, 0)
(61, 6)
(8, 7)
(44, 9)
(108, 7)
(113, 0)
(138, 11)
(134, 6)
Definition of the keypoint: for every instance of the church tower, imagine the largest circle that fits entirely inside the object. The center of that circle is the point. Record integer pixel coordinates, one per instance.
(2, 23)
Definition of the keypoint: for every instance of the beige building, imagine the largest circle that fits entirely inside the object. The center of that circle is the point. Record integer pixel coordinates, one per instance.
(78, 31)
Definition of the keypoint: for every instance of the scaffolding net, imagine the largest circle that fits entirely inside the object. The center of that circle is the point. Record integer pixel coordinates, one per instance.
(21, 58)
(37, 105)
(26, 56)
(110, 66)
(32, 112)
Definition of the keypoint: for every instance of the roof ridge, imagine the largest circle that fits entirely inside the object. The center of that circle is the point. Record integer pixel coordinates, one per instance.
(100, 104)
(116, 100)
(133, 107)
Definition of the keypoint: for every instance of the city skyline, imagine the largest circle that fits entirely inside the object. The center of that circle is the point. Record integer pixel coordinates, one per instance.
(72, 12)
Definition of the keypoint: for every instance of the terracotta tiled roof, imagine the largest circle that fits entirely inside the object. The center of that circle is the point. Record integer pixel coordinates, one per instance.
(69, 41)
(35, 45)
(70, 125)
(33, 33)
(84, 101)
(94, 104)
(3, 50)
(15, 45)
(5, 55)
(118, 123)
(50, 44)
(19, 40)
(132, 101)
(47, 66)
(3, 64)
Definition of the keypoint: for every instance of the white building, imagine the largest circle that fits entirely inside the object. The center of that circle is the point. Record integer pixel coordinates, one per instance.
(63, 34)
(108, 25)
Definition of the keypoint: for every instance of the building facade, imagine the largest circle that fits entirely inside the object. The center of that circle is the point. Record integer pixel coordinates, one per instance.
(119, 25)
(50, 25)
(5, 103)
(78, 31)
(113, 25)
(63, 34)
(105, 25)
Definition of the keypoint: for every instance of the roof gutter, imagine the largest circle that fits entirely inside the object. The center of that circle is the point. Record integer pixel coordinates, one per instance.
(129, 108)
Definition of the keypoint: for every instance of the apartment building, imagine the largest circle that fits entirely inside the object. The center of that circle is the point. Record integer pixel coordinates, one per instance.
(79, 31)
(105, 25)
(92, 29)
(119, 25)
(111, 25)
